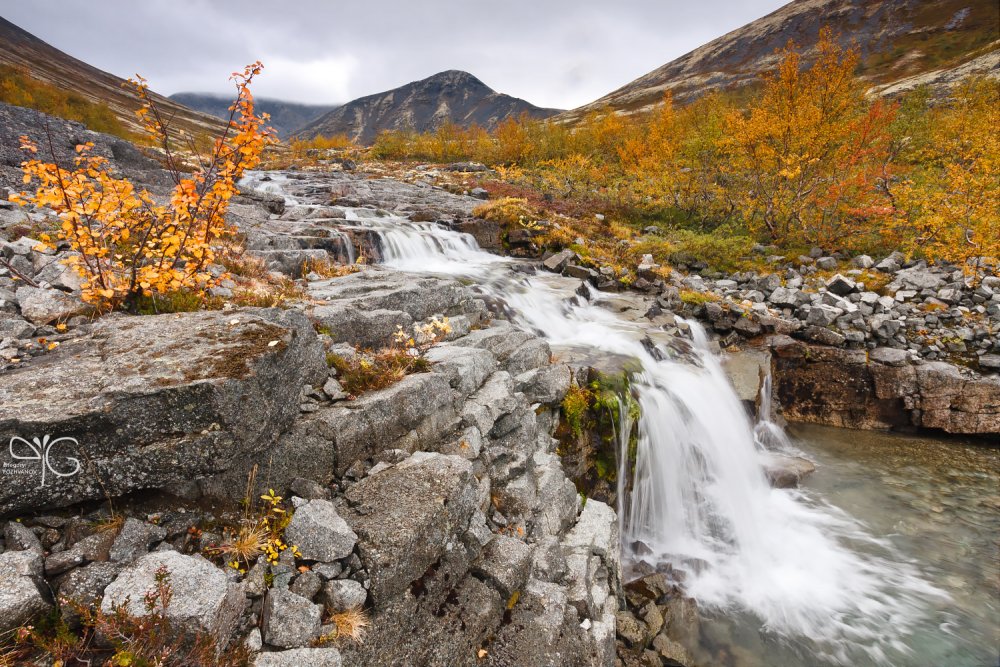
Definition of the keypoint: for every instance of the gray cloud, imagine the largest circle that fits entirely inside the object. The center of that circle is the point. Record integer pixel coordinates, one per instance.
(560, 53)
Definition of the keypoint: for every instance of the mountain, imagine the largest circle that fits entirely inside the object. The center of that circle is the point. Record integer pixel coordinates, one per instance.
(899, 40)
(22, 50)
(286, 117)
(421, 106)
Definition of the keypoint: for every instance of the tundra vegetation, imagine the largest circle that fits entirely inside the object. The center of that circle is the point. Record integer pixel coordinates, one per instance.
(805, 158)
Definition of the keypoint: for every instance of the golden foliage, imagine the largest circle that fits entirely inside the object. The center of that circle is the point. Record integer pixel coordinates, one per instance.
(950, 202)
(808, 156)
(127, 244)
(300, 147)
(506, 211)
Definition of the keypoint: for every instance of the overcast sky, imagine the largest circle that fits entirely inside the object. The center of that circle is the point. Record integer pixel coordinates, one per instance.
(559, 53)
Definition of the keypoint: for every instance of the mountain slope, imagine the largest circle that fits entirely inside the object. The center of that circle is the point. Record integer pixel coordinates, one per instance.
(422, 106)
(46, 63)
(898, 39)
(286, 117)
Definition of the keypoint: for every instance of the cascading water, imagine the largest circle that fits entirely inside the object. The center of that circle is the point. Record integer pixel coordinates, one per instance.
(699, 498)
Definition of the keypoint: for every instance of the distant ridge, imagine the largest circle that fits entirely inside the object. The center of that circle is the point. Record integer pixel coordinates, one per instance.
(286, 117)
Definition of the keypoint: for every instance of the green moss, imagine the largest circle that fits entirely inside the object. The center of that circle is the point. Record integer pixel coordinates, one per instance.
(575, 406)
(181, 301)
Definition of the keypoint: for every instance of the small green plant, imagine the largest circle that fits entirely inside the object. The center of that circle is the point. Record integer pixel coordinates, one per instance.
(260, 531)
(696, 298)
(373, 370)
(575, 405)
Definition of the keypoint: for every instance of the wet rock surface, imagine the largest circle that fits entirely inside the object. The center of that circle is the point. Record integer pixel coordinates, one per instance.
(881, 390)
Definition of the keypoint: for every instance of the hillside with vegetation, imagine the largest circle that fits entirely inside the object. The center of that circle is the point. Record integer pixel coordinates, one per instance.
(54, 82)
(285, 117)
(898, 41)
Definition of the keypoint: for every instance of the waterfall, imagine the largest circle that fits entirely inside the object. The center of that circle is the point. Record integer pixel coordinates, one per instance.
(698, 498)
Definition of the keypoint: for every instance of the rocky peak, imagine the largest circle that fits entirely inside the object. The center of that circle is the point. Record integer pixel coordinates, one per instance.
(452, 95)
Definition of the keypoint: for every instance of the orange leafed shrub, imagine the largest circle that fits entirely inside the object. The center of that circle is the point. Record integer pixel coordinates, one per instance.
(807, 156)
(129, 246)
(950, 200)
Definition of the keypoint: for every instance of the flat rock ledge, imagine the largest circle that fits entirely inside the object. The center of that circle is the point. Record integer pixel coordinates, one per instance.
(151, 402)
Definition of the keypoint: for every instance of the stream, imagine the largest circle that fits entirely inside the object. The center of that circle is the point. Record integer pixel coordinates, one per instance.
(886, 556)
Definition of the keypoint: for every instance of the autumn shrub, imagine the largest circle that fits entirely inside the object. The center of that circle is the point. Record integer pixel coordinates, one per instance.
(804, 157)
(949, 206)
(807, 160)
(696, 298)
(126, 244)
(321, 143)
(506, 211)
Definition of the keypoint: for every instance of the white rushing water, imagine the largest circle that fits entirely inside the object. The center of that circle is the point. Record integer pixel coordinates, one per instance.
(811, 574)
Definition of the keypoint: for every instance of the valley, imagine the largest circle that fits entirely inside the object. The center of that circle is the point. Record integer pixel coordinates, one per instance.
(705, 373)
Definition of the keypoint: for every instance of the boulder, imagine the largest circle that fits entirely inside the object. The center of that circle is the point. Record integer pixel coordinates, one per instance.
(343, 594)
(919, 278)
(485, 232)
(18, 537)
(547, 385)
(85, 586)
(319, 532)
(559, 261)
(785, 472)
(21, 597)
(289, 620)
(505, 562)
(405, 517)
(135, 539)
(841, 286)
(44, 306)
(376, 421)
(204, 602)
(154, 401)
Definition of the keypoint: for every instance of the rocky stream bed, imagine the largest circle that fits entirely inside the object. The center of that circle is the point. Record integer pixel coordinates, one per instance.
(445, 504)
